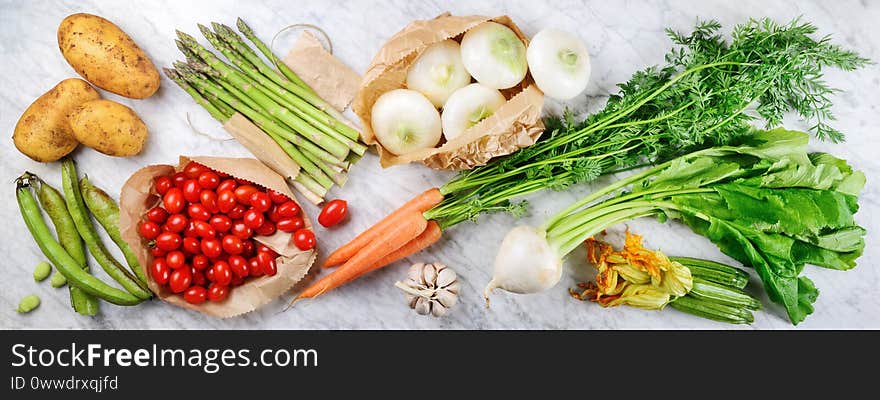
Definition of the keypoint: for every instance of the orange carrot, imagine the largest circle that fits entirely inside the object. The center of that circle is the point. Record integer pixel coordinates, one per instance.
(430, 236)
(420, 203)
(404, 228)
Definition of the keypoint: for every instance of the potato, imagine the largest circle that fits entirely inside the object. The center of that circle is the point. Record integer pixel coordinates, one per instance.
(106, 56)
(108, 127)
(43, 132)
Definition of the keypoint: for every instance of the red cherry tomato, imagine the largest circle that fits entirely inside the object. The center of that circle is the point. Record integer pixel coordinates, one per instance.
(220, 223)
(191, 245)
(239, 266)
(199, 279)
(291, 224)
(191, 190)
(253, 218)
(180, 280)
(211, 247)
(222, 273)
(267, 229)
(304, 239)
(157, 215)
(160, 271)
(333, 213)
(149, 230)
(173, 200)
(260, 201)
(243, 194)
(198, 212)
(208, 198)
(217, 292)
(209, 274)
(262, 248)
(278, 197)
(175, 259)
(254, 267)
(178, 179)
(226, 184)
(176, 223)
(157, 252)
(162, 184)
(232, 244)
(192, 170)
(204, 229)
(168, 241)
(209, 180)
(237, 212)
(248, 248)
(200, 262)
(273, 215)
(226, 200)
(289, 209)
(266, 263)
(241, 230)
(196, 294)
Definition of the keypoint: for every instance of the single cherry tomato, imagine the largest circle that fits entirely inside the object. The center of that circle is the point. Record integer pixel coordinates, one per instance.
(260, 201)
(241, 230)
(192, 170)
(191, 190)
(180, 280)
(208, 198)
(248, 248)
(222, 273)
(220, 223)
(289, 209)
(267, 229)
(278, 197)
(226, 184)
(266, 263)
(254, 267)
(237, 212)
(217, 292)
(262, 248)
(173, 200)
(157, 252)
(253, 218)
(200, 262)
(243, 194)
(333, 213)
(273, 215)
(175, 259)
(211, 247)
(226, 200)
(149, 230)
(176, 223)
(209, 180)
(232, 244)
(198, 212)
(191, 245)
(178, 179)
(291, 224)
(160, 271)
(168, 241)
(162, 184)
(204, 229)
(304, 239)
(190, 230)
(157, 215)
(238, 265)
(199, 278)
(195, 294)
(209, 274)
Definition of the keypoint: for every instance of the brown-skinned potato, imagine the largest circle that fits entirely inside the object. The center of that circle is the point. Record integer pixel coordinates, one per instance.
(43, 132)
(106, 56)
(108, 127)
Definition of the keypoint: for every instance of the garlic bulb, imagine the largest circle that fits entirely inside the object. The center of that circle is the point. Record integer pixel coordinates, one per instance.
(430, 288)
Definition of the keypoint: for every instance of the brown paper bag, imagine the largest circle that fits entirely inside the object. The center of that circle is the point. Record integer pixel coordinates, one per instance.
(138, 196)
(515, 125)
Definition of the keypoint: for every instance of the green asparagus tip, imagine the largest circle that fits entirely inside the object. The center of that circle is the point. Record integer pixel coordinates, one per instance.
(185, 37)
(243, 27)
(205, 30)
(218, 28)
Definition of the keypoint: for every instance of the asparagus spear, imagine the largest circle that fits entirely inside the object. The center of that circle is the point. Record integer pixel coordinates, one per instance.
(214, 111)
(267, 52)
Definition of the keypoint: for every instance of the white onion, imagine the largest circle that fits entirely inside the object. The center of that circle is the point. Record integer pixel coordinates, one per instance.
(559, 63)
(467, 107)
(404, 121)
(494, 55)
(525, 263)
(438, 72)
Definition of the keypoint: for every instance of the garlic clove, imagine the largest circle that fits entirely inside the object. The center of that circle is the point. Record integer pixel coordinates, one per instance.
(429, 275)
(446, 298)
(445, 277)
(423, 306)
(438, 310)
(415, 272)
(453, 287)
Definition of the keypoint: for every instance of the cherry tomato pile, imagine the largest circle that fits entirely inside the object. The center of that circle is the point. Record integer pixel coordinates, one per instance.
(201, 235)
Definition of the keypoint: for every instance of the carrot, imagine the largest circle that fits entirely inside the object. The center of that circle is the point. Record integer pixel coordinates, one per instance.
(404, 229)
(421, 203)
(430, 236)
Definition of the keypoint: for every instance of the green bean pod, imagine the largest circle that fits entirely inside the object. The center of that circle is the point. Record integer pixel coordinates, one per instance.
(86, 228)
(53, 204)
(106, 211)
(53, 250)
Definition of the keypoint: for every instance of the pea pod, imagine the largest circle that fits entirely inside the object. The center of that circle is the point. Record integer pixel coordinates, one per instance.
(106, 211)
(65, 264)
(86, 229)
(53, 204)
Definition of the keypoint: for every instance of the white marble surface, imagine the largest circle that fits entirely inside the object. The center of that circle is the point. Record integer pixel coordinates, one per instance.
(623, 36)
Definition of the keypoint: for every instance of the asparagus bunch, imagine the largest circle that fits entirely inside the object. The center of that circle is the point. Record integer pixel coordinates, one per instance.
(313, 133)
